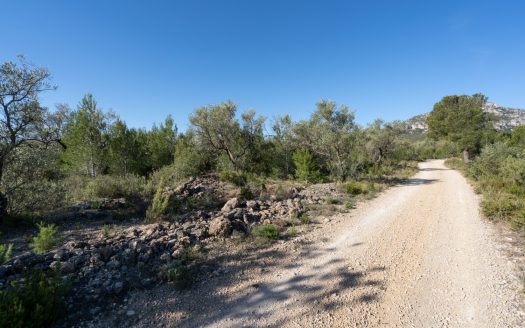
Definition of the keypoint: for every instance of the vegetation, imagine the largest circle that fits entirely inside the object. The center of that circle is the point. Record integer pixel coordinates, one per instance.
(35, 302)
(46, 238)
(5, 252)
(265, 232)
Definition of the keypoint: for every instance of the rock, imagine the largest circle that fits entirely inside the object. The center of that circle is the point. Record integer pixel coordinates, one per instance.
(252, 204)
(220, 227)
(239, 225)
(113, 264)
(105, 253)
(118, 287)
(130, 313)
(63, 267)
(230, 205)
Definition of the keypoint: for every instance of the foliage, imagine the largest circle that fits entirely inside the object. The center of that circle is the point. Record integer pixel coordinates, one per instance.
(462, 120)
(86, 138)
(265, 232)
(24, 121)
(246, 193)
(305, 169)
(5, 252)
(330, 134)
(218, 131)
(46, 238)
(36, 302)
(159, 204)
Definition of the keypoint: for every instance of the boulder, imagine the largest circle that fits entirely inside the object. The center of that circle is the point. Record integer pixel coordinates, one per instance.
(230, 205)
(220, 227)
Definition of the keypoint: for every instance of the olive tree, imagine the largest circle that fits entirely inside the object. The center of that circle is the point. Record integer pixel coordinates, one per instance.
(329, 133)
(23, 121)
(218, 130)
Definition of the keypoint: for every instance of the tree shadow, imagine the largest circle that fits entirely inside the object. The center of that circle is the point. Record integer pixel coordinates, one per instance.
(318, 282)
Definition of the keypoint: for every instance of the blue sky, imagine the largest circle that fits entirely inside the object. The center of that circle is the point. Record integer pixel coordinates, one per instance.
(388, 59)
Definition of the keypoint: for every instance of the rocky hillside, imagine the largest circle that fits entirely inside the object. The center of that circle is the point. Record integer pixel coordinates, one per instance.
(506, 118)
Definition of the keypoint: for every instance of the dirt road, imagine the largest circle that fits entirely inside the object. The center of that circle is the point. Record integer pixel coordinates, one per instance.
(419, 255)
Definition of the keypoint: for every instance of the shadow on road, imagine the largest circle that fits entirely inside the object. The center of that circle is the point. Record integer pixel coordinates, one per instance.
(318, 288)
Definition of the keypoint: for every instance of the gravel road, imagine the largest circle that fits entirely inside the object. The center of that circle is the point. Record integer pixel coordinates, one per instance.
(419, 255)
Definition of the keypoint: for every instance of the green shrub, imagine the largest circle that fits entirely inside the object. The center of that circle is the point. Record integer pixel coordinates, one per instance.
(246, 193)
(46, 238)
(291, 231)
(330, 200)
(159, 204)
(37, 302)
(237, 179)
(499, 206)
(106, 230)
(349, 204)
(305, 168)
(5, 252)
(455, 163)
(266, 232)
(353, 188)
(178, 274)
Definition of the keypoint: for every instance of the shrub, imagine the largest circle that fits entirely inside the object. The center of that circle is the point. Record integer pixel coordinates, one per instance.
(179, 274)
(46, 238)
(159, 204)
(106, 230)
(353, 188)
(456, 164)
(349, 204)
(330, 200)
(305, 168)
(246, 193)
(5, 252)
(499, 206)
(291, 231)
(37, 302)
(266, 231)
(237, 179)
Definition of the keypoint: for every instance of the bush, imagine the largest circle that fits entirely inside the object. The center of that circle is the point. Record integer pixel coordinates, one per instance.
(5, 252)
(37, 302)
(499, 206)
(81, 188)
(237, 179)
(349, 204)
(179, 274)
(353, 188)
(246, 193)
(159, 204)
(305, 168)
(46, 238)
(266, 231)
(456, 164)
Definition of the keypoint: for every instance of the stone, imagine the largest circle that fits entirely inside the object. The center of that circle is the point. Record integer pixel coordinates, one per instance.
(130, 313)
(230, 205)
(220, 227)
(113, 264)
(118, 287)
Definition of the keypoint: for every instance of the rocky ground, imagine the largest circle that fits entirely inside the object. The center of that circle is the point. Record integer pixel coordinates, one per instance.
(104, 266)
(419, 255)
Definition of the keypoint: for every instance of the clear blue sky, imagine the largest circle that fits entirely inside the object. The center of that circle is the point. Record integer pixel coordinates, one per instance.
(388, 59)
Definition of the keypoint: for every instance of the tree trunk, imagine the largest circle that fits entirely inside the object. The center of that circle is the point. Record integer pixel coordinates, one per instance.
(466, 157)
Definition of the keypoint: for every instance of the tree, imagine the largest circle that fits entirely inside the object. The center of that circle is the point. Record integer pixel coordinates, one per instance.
(330, 134)
(218, 130)
(124, 153)
(23, 121)
(284, 145)
(382, 139)
(305, 169)
(161, 144)
(86, 137)
(461, 119)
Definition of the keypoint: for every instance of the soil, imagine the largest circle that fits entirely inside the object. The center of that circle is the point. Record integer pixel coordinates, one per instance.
(418, 255)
